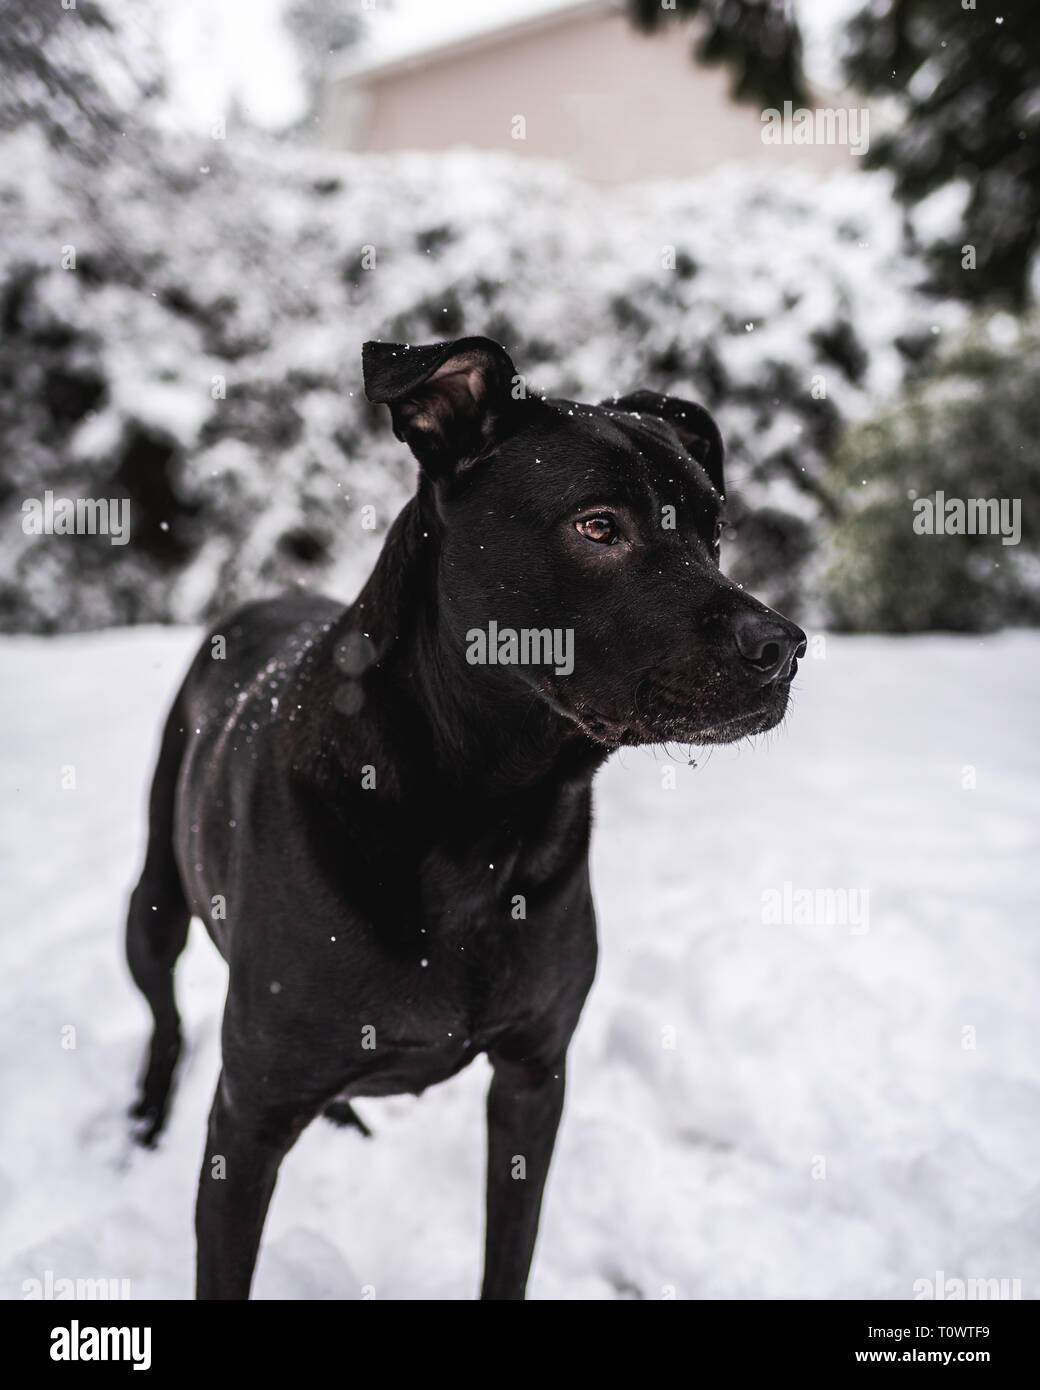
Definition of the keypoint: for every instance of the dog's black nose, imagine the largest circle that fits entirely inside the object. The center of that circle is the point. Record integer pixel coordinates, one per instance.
(769, 644)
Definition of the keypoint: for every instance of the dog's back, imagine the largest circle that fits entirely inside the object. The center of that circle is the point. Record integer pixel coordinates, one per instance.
(241, 687)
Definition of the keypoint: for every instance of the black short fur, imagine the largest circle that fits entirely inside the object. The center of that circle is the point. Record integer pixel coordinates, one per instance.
(387, 843)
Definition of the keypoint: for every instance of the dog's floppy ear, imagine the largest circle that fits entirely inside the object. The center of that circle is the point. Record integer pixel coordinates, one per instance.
(451, 403)
(697, 431)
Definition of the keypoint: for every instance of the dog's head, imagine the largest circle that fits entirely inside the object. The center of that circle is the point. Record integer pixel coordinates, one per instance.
(590, 534)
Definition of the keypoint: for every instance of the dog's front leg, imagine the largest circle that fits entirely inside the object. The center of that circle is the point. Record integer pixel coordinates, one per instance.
(244, 1147)
(524, 1105)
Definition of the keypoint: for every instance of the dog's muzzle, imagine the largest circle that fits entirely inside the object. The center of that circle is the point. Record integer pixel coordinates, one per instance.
(769, 646)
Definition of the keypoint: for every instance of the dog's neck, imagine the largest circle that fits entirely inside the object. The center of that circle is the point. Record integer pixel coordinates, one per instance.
(483, 730)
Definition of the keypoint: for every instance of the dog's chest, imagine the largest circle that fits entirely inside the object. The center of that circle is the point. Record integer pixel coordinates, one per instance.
(496, 948)
(510, 985)
(496, 927)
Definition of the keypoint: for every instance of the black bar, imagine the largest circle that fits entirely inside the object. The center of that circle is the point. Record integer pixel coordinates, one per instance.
(302, 1338)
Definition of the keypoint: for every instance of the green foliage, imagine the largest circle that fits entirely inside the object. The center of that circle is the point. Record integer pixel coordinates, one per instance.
(968, 85)
(965, 86)
(972, 430)
(757, 40)
(87, 77)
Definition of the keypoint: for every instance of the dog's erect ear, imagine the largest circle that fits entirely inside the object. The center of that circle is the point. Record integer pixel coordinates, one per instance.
(697, 431)
(451, 403)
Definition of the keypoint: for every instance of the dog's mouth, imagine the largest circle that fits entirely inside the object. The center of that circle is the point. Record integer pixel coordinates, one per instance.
(662, 713)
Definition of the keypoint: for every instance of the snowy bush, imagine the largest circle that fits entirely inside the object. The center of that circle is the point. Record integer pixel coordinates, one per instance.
(185, 331)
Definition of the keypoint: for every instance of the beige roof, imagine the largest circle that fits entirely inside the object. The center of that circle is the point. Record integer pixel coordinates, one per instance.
(483, 29)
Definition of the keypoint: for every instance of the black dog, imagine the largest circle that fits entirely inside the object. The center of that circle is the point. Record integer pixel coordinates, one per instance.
(381, 812)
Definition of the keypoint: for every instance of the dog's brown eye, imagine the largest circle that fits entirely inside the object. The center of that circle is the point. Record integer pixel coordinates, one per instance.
(598, 528)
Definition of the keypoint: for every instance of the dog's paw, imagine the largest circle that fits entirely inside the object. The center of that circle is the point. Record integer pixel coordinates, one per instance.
(147, 1121)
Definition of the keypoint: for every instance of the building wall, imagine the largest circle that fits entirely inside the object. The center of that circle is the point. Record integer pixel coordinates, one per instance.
(614, 104)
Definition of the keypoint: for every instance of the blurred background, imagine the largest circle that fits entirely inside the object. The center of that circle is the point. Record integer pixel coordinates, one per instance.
(207, 208)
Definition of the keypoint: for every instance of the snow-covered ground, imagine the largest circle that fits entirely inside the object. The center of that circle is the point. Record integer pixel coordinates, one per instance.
(821, 1127)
